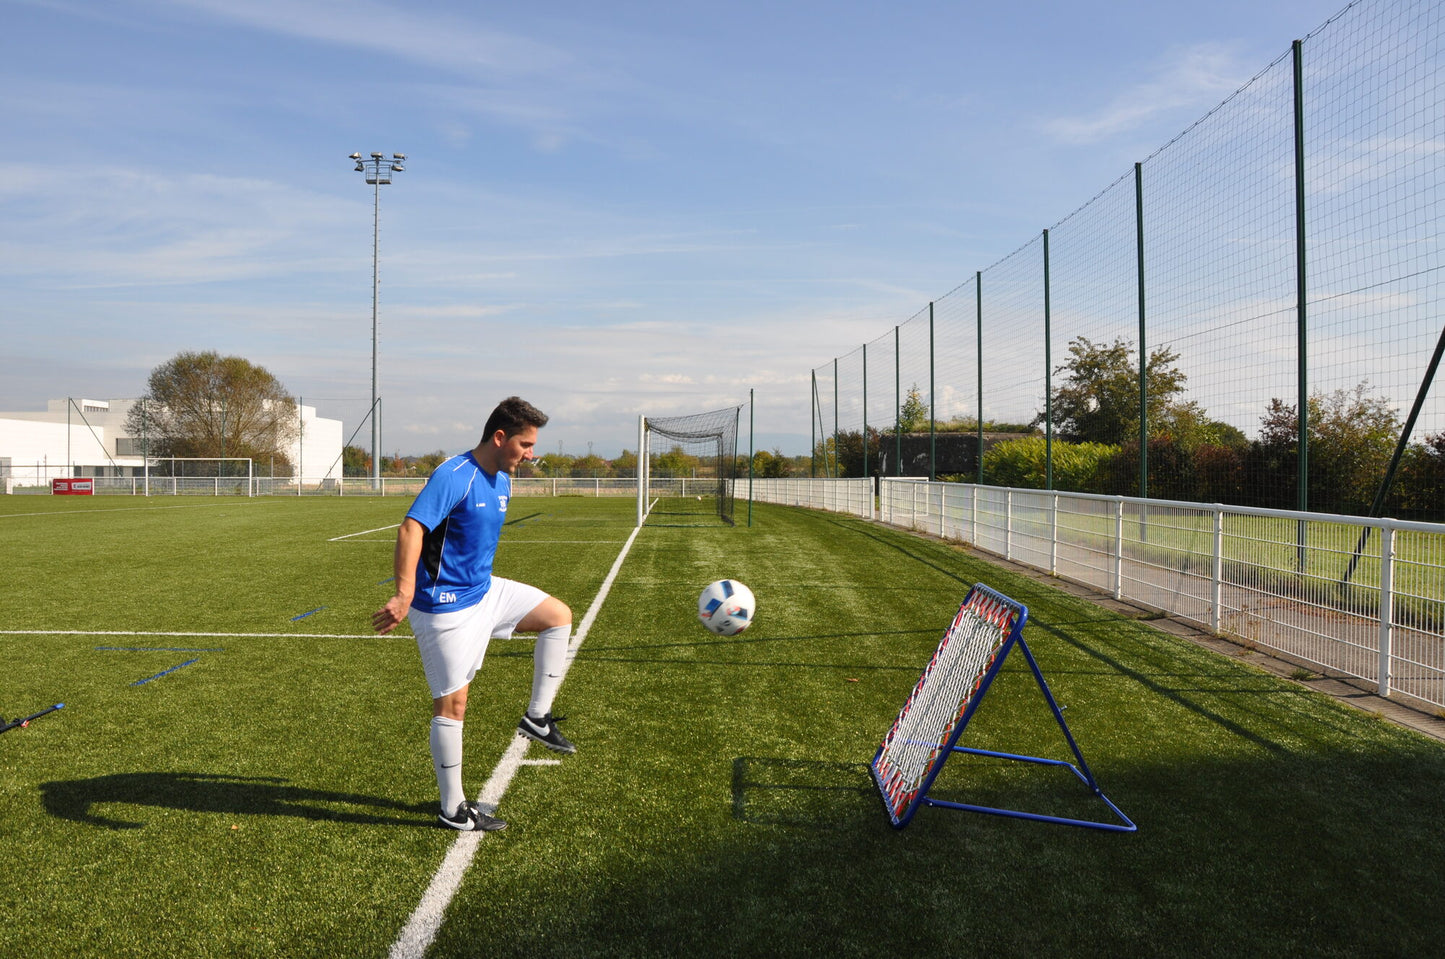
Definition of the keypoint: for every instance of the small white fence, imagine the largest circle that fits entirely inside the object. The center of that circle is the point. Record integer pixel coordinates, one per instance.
(351, 486)
(852, 496)
(1345, 595)
(1363, 598)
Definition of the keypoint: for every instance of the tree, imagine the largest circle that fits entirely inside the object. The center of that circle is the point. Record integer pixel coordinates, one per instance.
(768, 465)
(1099, 399)
(675, 462)
(553, 464)
(1352, 435)
(208, 405)
(355, 461)
(591, 465)
(626, 463)
(1420, 486)
(1021, 463)
(913, 414)
(426, 463)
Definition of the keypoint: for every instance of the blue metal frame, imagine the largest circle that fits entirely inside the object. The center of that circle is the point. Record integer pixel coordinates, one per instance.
(1081, 770)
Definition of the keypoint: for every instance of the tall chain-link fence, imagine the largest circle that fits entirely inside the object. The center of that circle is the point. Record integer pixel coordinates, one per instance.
(1280, 257)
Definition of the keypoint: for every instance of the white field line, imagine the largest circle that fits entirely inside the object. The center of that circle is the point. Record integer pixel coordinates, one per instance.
(147, 632)
(421, 929)
(363, 532)
(117, 509)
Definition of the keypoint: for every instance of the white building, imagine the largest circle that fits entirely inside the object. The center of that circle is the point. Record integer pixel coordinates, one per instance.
(80, 437)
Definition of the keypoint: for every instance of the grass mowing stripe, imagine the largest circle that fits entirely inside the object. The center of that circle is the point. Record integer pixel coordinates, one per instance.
(421, 929)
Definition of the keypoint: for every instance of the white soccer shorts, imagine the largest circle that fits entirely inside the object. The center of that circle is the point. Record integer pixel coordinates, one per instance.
(452, 644)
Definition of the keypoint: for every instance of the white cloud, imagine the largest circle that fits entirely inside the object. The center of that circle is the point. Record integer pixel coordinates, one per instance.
(432, 39)
(1195, 79)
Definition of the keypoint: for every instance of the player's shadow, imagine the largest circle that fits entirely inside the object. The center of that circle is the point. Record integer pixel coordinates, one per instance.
(77, 799)
(801, 792)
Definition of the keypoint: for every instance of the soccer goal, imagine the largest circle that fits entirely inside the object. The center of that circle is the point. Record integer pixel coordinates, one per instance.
(687, 467)
(988, 626)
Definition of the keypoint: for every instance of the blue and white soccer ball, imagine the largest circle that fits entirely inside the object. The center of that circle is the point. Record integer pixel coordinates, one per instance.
(726, 607)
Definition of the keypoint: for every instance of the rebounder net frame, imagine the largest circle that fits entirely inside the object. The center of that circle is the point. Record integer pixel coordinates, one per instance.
(692, 479)
(985, 630)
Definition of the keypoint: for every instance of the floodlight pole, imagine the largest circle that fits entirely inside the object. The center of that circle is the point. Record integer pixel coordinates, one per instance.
(378, 170)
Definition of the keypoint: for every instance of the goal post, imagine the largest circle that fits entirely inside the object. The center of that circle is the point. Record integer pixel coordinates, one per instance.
(987, 627)
(687, 467)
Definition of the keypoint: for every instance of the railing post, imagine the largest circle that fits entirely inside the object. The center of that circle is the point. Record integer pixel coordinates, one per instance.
(1008, 524)
(1119, 548)
(1216, 593)
(1054, 535)
(1387, 604)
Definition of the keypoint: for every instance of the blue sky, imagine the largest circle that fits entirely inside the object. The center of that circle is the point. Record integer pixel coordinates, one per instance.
(607, 208)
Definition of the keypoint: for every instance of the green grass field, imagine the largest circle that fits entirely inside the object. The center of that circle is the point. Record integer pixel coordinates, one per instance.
(274, 796)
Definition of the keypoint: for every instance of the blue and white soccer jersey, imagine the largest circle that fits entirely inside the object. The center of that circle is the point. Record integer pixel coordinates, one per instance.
(462, 508)
(458, 604)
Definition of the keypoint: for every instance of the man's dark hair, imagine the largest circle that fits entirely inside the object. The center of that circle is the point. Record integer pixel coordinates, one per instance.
(513, 415)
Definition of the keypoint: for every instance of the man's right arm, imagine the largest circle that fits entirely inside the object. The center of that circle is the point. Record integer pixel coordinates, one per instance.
(409, 540)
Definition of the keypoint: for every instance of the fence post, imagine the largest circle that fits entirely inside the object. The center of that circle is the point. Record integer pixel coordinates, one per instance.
(1143, 353)
(942, 508)
(978, 310)
(1048, 380)
(1387, 604)
(932, 405)
(1008, 524)
(1216, 592)
(1054, 535)
(897, 405)
(1119, 547)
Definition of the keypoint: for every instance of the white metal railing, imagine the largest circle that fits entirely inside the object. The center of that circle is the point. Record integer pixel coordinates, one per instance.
(1351, 595)
(351, 486)
(854, 496)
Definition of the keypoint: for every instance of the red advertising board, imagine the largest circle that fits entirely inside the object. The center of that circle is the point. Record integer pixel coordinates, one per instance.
(72, 487)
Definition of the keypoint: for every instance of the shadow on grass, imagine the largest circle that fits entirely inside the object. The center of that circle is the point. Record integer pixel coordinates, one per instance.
(76, 799)
(1295, 863)
(806, 793)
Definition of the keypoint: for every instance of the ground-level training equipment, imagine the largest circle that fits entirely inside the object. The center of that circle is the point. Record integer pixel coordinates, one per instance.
(726, 607)
(26, 720)
(973, 649)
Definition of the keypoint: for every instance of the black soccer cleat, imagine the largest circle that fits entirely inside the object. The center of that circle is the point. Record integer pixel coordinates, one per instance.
(545, 731)
(470, 818)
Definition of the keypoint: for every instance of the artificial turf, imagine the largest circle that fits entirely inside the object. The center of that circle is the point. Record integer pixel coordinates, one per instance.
(274, 797)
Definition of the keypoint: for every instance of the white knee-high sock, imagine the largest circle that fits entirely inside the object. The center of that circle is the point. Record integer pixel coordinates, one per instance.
(446, 759)
(549, 659)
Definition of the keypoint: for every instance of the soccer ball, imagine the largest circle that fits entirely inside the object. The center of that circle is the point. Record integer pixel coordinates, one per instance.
(726, 607)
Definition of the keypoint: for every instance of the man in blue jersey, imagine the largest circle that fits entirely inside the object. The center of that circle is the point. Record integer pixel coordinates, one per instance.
(444, 553)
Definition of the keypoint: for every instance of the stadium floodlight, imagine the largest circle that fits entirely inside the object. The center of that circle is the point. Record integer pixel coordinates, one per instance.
(378, 172)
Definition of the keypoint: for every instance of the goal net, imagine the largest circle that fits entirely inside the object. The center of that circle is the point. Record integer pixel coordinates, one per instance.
(687, 467)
